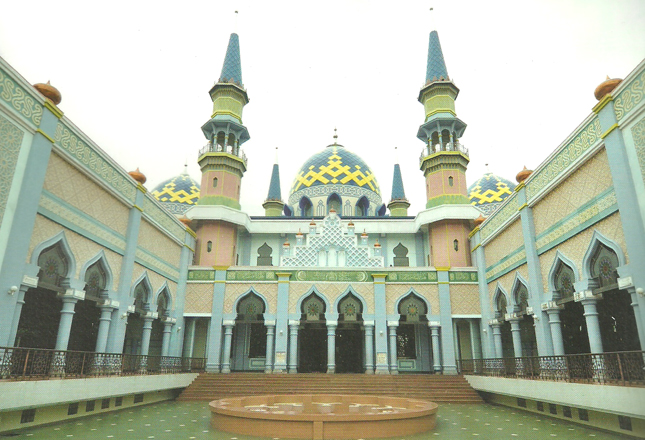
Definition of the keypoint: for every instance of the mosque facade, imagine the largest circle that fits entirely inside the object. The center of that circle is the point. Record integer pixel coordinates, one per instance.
(334, 277)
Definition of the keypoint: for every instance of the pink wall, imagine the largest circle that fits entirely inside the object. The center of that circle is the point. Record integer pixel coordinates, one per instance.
(442, 236)
(227, 184)
(223, 237)
(437, 184)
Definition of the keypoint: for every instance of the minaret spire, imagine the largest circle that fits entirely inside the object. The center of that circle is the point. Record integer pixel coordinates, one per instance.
(232, 67)
(399, 204)
(273, 205)
(436, 67)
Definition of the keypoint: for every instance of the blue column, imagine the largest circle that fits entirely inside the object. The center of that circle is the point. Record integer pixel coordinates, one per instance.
(553, 310)
(69, 298)
(20, 301)
(226, 352)
(282, 323)
(147, 331)
(293, 345)
(331, 346)
(268, 363)
(394, 363)
(517, 339)
(28, 179)
(185, 260)
(380, 324)
(588, 301)
(447, 335)
(488, 345)
(475, 338)
(165, 341)
(104, 325)
(116, 334)
(215, 329)
(436, 345)
(497, 336)
(536, 289)
(369, 346)
(190, 336)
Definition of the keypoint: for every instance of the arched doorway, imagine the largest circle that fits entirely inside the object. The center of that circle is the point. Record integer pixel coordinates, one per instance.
(312, 337)
(350, 336)
(40, 314)
(574, 326)
(527, 328)
(501, 304)
(133, 343)
(615, 313)
(413, 343)
(249, 335)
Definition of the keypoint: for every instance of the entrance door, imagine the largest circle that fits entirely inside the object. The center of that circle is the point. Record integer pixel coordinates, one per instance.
(349, 349)
(312, 344)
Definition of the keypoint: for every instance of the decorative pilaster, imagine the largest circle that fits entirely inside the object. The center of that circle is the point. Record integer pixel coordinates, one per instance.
(27, 283)
(294, 325)
(380, 324)
(517, 338)
(436, 347)
(331, 346)
(369, 346)
(497, 337)
(268, 362)
(167, 331)
(228, 338)
(391, 327)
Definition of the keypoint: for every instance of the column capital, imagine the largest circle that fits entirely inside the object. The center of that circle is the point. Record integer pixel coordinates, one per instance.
(393, 323)
(72, 295)
(332, 324)
(368, 323)
(269, 323)
(551, 307)
(495, 322)
(625, 283)
(228, 323)
(586, 295)
(107, 303)
(433, 324)
(294, 322)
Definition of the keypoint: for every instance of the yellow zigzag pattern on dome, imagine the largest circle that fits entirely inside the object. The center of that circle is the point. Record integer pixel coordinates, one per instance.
(168, 194)
(489, 196)
(335, 169)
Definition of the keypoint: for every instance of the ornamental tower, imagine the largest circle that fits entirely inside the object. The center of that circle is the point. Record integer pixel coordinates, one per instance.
(443, 160)
(222, 162)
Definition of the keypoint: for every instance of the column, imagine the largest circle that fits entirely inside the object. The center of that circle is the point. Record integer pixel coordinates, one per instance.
(20, 301)
(190, 336)
(268, 362)
(281, 339)
(497, 337)
(294, 325)
(146, 332)
(369, 346)
(214, 347)
(104, 325)
(639, 324)
(391, 327)
(331, 346)
(593, 326)
(165, 341)
(517, 338)
(226, 351)
(69, 298)
(553, 310)
(476, 344)
(380, 324)
(436, 348)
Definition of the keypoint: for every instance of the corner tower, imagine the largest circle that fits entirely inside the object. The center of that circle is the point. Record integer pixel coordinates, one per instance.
(222, 162)
(443, 160)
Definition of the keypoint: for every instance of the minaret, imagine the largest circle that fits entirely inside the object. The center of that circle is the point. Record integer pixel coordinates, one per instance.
(273, 205)
(399, 204)
(443, 160)
(222, 162)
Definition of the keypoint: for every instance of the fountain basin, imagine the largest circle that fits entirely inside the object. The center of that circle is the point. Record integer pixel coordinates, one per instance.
(323, 416)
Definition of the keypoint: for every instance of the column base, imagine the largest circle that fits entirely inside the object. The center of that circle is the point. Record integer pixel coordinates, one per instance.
(226, 369)
(382, 370)
(212, 368)
(450, 370)
(331, 370)
(369, 370)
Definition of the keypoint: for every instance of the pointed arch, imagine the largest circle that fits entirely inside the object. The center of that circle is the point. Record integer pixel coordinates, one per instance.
(101, 260)
(350, 291)
(598, 240)
(248, 293)
(500, 302)
(59, 240)
(306, 207)
(560, 259)
(412, 293)
(336, 202)
(142, 292)
(313, 292)
(520, 293)
(362, 206)
(163, 299)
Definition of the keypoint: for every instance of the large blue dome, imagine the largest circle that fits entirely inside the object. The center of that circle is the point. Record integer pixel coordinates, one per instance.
(489, 191)
(178, 193)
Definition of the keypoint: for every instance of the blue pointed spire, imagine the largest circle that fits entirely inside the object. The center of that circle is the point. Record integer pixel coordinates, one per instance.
(436, 69)
(274, 186)
(232, 68)
(398, 193)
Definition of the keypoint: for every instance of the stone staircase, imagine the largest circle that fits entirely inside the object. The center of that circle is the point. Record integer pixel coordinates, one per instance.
(436, 388)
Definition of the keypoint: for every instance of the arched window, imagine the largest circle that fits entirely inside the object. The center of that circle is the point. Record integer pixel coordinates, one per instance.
(141, 297)
(603, 266)
(450, 181)
(54, 266)
(350, 308)
(500, 306)
(306, 208)
(412, 309)
(563, 281)
(401, 255)
(455, 244)
(521, 296)
(362, 206)
(313, 308)
(209, 246)
(264, 255)
(347, 208)
(95, 281)
(334, 202)
(163, 303)
(250, 308)
(214, 182)
(221, 138)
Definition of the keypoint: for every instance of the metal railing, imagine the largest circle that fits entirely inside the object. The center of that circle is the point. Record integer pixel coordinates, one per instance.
(618, 368)
(448, 146)
(230, 149)
(35, 363)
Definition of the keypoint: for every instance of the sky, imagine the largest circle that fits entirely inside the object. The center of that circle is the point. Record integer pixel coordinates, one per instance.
(135, 75)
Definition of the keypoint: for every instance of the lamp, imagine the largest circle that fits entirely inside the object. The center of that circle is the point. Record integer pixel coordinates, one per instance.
(13, 289)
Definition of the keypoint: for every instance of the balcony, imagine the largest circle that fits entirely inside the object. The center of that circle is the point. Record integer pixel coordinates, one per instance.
(229, 149)
(448, 146)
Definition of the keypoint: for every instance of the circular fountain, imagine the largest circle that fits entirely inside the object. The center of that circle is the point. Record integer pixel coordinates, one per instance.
(323, 416)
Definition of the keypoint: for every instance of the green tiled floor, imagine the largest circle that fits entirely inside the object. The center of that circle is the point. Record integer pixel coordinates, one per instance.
(190, 420)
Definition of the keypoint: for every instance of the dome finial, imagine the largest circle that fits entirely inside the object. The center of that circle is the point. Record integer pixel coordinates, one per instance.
(335, 136)
(276, 155)
(185, 167)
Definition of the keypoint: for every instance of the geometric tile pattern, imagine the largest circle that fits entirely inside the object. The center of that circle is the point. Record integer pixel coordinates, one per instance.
(163, 218)
(504, 243)
(500, 217)
(629, 97)
(490, 189)
(73, 187)
(234, 290)
(428, 291)
(178, 193)
(82, 248)
(587, 182)
(10, 141)
(19, 99)
(576, 247)
(331, 291)
(565, 156)
(506, 283)
(158, 244)
(464, 299)
(638, 133)
(199, 298)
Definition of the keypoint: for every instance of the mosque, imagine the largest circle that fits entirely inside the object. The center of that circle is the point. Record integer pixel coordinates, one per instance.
(336, 277)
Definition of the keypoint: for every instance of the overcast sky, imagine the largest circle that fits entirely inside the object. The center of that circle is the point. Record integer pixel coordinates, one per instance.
(135, 77)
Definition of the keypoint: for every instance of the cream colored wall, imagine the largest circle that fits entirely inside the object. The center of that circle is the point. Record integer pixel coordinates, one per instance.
(234, 290)
(82, 248)
(156, 281)
(395, 291)
(576, 247)
(331, 291)
(583, 185)
(504, 243)
(506, 283)
(158, 244)
(199, 298)
(464, 299)
(66, 182)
